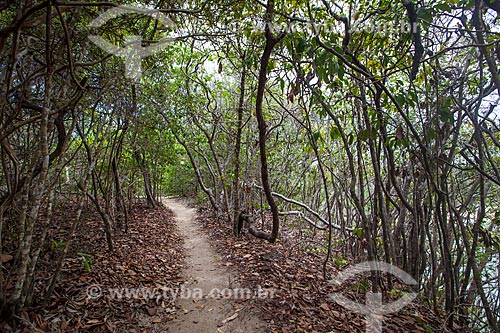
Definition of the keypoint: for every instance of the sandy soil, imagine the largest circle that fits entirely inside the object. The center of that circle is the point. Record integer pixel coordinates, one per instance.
(208, 312)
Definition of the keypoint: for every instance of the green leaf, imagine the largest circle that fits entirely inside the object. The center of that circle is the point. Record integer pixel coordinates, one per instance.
(335, 133)
(401, 99)
(446, 115)
(301, 45)
(340, 261)
(358, 232)
(322, 74)
(444, 7)
(316, 136)
(271, 65)
(431, 133)
(425, 14)
(86, 265)
(341, 71)
(412, 98)
(364, 135)
(496, 219)
(351, 138)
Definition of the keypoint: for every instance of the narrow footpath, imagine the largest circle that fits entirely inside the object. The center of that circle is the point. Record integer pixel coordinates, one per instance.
(203, 272)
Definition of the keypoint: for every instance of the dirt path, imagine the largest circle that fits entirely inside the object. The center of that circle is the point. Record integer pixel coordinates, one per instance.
(203, 273)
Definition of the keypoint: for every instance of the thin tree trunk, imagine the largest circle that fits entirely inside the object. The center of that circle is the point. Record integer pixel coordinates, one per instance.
(148, 189)
(119, 193)
(70, 236)
(95, 198)
(271, 41)
(237, 149)
(36, 198)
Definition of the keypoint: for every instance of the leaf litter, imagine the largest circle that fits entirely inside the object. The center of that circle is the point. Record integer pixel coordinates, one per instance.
(149, 257)
(302, 299)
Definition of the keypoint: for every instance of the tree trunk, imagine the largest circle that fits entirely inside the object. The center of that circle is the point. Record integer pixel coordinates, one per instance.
(148, 189)
(271, 41)
(34, 201)
(237, 149)
(122, 207)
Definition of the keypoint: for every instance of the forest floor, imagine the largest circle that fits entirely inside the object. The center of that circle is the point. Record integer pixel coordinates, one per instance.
(302, 298)
(129, 290)
(180, 269)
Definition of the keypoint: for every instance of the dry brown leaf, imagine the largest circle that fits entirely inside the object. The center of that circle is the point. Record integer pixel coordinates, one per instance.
(231, 318)
(325, 307)
(6, 257)
(152, 310)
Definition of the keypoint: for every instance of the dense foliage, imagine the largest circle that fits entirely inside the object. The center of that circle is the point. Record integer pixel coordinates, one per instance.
(373, 122)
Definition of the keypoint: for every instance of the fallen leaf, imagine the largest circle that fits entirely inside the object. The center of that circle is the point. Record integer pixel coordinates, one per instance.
(228, 319)
(6, 257)
(152, 311)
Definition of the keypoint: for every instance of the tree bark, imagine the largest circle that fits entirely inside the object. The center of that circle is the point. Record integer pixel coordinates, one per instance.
(237, 149)
(148, 189)
(271, 42)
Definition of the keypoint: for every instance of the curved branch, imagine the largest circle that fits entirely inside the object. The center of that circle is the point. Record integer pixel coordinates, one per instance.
(307, 208)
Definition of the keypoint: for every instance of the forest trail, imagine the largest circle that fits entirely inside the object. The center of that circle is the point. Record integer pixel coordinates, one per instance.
(203, 272)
